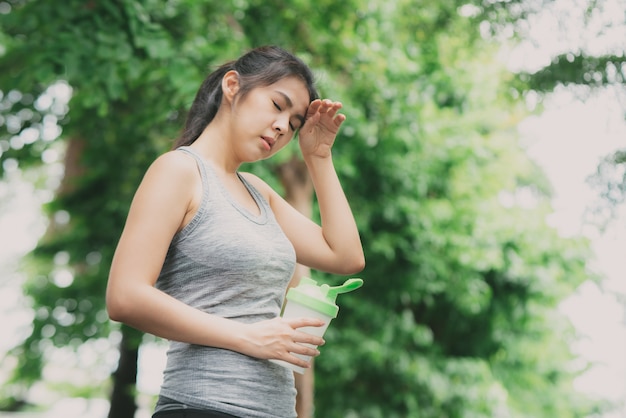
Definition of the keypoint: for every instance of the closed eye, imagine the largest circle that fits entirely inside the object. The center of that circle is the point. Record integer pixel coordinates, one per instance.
(277, 106)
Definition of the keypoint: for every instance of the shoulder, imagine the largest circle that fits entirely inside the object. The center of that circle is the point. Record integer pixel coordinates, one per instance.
(176, 162)
(169, 171)
(172, 167)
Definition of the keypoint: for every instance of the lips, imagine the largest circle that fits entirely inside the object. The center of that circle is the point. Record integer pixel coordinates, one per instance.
(268, 142)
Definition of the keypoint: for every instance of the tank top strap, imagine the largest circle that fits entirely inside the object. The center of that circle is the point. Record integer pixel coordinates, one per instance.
(206, 188)
(204, 176)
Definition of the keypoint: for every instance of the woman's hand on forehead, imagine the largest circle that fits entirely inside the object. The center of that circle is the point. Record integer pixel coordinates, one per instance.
(317, 136)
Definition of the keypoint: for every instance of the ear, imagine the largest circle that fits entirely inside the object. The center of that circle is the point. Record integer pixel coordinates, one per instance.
(230, 85)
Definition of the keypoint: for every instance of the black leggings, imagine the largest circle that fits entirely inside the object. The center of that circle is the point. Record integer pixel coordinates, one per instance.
(191, 413)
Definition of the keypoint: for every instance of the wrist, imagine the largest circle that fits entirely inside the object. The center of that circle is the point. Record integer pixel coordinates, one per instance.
(228, 334)
(239, 338)
(314, 160)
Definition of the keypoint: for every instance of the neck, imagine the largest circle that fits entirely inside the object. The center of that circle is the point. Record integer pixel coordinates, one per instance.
(214, 144)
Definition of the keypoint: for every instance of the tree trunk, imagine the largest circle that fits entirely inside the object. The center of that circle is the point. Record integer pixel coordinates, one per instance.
(299, 193)
(125, 377)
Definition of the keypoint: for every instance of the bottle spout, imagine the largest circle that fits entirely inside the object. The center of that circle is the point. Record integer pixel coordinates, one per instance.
(348, 286)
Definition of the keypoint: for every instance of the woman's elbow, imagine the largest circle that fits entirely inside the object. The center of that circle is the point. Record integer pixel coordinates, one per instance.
(359, 265)
(114, 310)
(118, 306)
(353, 265)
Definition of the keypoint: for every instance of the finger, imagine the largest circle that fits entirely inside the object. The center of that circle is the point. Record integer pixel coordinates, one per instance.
(337, 105)
(332, 110)
(290, 358)
(310, 122)
(326, 106)
(306, 338)
(339, 119)
(304, 322)
(313, 108)
(304, 350)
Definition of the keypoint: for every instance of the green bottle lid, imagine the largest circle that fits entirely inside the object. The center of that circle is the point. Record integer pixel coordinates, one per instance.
(321, 298)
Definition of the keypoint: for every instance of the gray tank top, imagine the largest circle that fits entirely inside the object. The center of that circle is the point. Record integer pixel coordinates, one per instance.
(237, 265)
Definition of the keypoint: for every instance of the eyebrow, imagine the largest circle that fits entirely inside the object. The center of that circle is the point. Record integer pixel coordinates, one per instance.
(290, 104)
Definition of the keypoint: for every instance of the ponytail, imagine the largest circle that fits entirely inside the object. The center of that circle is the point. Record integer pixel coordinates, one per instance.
(204, 107)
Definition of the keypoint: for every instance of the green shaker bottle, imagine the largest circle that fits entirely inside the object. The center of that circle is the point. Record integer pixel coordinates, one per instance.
(310, 300)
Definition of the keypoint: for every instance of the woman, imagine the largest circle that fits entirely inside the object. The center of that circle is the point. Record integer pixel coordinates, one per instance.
(207, 252)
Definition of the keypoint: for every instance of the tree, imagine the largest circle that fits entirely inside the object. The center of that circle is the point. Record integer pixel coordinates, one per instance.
(594, 63)
(468, 280)
(125, 106)
(456, 317)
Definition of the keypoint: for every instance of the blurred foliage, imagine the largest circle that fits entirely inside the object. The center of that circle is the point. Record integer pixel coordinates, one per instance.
(594, 71)
(579, 69)
(609, 181)
(458, 315)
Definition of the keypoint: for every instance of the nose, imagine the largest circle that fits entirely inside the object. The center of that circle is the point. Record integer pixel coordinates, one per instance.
(281, 124)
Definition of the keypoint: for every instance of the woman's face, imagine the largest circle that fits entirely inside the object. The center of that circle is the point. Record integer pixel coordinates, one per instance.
(265, 120)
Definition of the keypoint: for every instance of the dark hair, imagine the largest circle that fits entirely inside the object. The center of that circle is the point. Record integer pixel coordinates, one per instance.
(257, 68)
